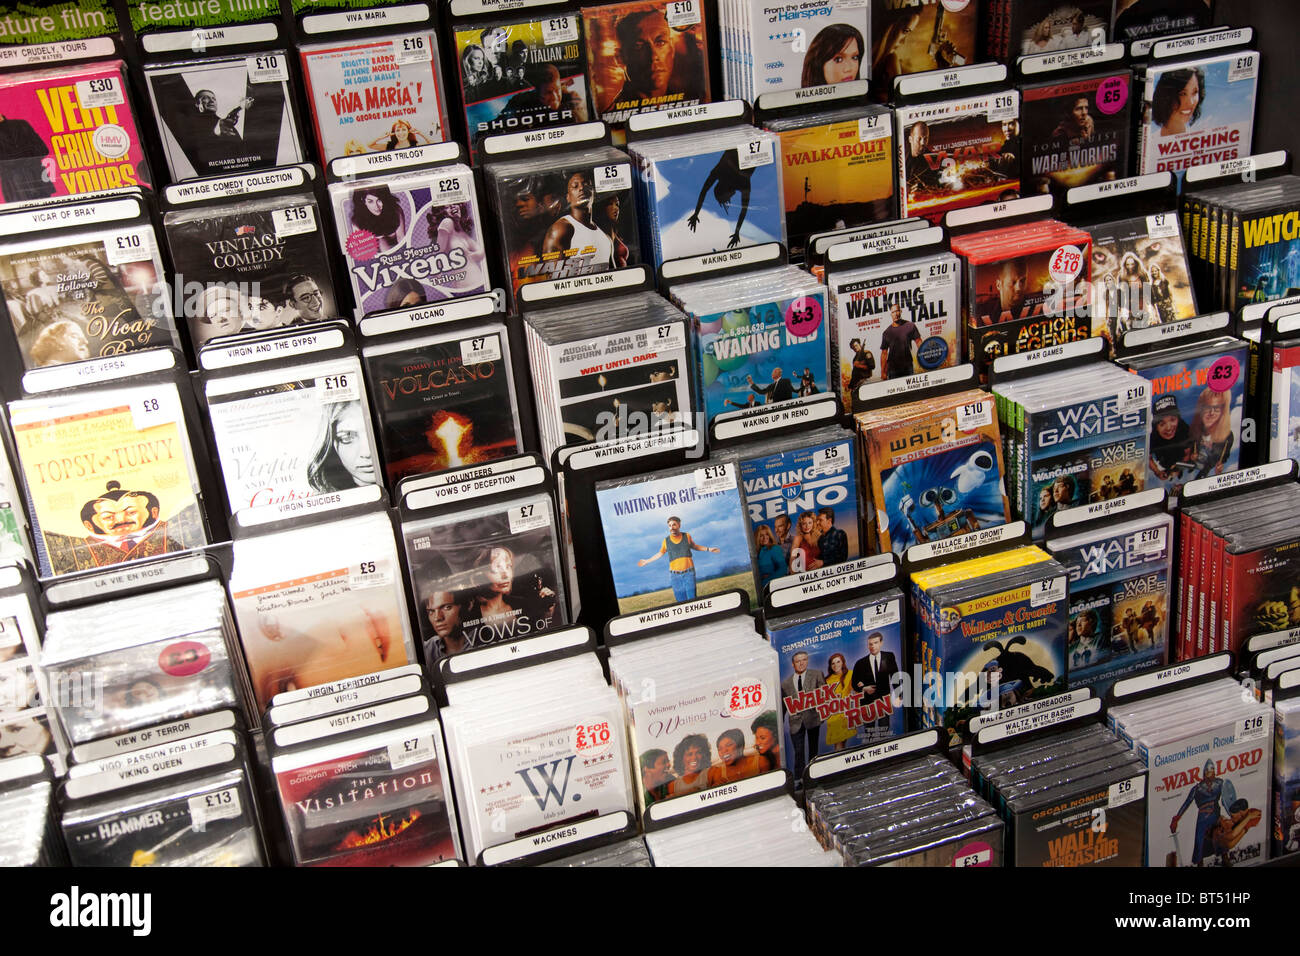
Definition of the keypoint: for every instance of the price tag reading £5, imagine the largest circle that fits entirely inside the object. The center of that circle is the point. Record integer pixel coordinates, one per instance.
(413, 750)
(712, 479)
(343, 387)
(368, 574)
(613, 176)
(832, 460)
(975, 415)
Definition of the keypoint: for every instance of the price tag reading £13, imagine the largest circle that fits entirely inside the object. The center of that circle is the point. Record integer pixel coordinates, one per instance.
(712, 479)
(99, 92)
(209, 807)
(343, 387)
(975, 415)
(411, 751)
(560, 29)
(483, 348)
(757, 152)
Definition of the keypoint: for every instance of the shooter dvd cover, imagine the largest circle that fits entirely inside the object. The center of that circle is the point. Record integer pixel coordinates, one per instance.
(915, 36)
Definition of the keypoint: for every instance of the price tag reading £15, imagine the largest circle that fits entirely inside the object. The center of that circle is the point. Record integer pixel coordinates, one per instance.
(1046, 591)
(483, 348)
(757, 152)
(1134, 398)
(413, 750)
(343, 387)
(528, 518)
(712, 479)
(293, 221)
(99, 92)
(975, 415)
(561, 29)
(209, 807)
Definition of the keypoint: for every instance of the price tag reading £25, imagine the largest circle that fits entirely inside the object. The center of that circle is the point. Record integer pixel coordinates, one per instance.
(712, 479)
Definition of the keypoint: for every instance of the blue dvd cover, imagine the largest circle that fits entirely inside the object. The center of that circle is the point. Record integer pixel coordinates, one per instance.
(802, 506)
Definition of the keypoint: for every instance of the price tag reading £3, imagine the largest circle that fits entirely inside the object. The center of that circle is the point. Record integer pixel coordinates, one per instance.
(343, 387)
(712, 479)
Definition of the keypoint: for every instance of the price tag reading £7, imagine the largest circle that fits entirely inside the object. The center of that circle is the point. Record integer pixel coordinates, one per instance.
(483, 348)
(712, 479)
(124, 247)
(209, 807)
(369, 574)
(757, 152)
(1134, 398)
(561, 29)
(1162, 225)
(293, 220)
(613, 176)
(1046, 591)
(151, 410)
(414, 49)
(683, 13)
(99, 92)
(975, 415)
(881, 614)
(413, 750)
(1149, 541)
(528, 518)
(343, 387)
(872, 127)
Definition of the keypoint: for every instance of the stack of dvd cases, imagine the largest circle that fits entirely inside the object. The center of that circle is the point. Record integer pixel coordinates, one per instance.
(1208, 753)
(1134, 20)
(1074, 437)
(935, 469)
(710, 191)
(627, 853)
(991, 633)
(1027, 287)
(30, 836)
(770, 833)
(610, 369)
(183, 664)
(1017, 28)
(1284, 408)
(411, 239)
(1286, 777)
(1074, 797)
(1238, 564)
(1140, 275)
(787, 45)
(762, 337)
(564, 214)
(919, 812)
(701, 708)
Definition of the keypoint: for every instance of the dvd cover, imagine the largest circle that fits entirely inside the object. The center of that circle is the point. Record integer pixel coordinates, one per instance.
(1076, 131)
(914, 36)
(1197, 111)
(1146, 19)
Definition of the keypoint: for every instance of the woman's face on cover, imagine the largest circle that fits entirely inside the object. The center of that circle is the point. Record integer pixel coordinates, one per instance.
(764, 740)
(1189, 97)
(693, 759)
(374, 204)
(843, 66)
(352, 447)
(501, 569)
(805, 523)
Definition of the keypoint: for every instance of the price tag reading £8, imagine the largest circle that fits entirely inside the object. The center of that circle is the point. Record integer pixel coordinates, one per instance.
(209, 807)
(683, 13)
(712, 479)
(413, 750)
(293, 221)
(368, 574)
(126, 247)
(483, 348)
(975, 415)
(151, 410)
(528, 518)
(414, 49)
(343, 387)
(757, 152)
(266, 68)
(99, 92)
(613, 176)
(1046, 591)
(560, 29)
(1134, 398)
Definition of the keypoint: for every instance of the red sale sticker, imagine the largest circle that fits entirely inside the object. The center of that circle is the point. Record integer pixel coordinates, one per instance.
(1223, 373)
(184, 659)
(1112, 94)
(803, 317)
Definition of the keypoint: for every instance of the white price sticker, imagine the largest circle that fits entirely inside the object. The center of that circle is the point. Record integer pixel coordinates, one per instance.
(99, 92)
(612, 177)
(343, 387)
(873, 127)
(209, 807)
(1047, 591)
(667, 338)
(1004, 107)
(1163, 225)
(528, 518)
(450, 189)
(746, 699)
(413, 750)
(683, 13)
(484, 348)
(832, 460)
(1066, 263)
(1242, 67)
(416, 49)
(881, 614)
(368, 574)
(126, 247)
(1149, 541)
(1134, 398)
(975, 415)
(1126, 791)
(561, 29)
(150, 411)
(293, 220)
(1252, 728)
(976, 858)
(712, 479)
(266, 68)
(757, 152)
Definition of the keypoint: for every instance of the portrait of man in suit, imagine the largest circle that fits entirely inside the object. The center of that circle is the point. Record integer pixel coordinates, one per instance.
(805, 725)
(871, 678)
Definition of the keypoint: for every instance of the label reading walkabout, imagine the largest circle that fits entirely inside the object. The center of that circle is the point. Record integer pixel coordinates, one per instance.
(817, 95)
(834, 764)
(725, 603)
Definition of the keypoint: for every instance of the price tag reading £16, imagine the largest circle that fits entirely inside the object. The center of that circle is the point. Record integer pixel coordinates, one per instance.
(757, 152)
(1134, 398)
(293, 221)
(712, 479)
(99, 92)
(975, 415)
(413, 750)
(415, 49)
(528, 518)
(209, 807)
(483, 348)
(560, 29)
(343, 387)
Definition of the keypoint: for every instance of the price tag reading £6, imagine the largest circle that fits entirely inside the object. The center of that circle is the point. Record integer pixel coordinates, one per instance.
(975, 415)
(561, 29)
(528, 518)
(209, 807)
(484, 348)
(414, 49)
(757, 152)
(614, 176)
(683, 13)
(343, 387)
(368, 574)
(1134, 398)
(99, 92)
(413, 750)
(1047, 591)
(126, 247)
(1126, 791)
(712, 479)
(293, 221)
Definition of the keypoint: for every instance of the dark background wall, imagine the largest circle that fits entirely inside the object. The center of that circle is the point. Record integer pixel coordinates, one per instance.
(1277, 24)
